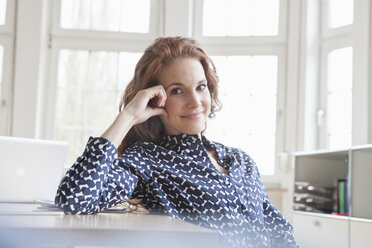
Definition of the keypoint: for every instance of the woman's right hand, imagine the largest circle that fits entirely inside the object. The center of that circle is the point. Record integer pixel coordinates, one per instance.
(140, 108)
(137, 111)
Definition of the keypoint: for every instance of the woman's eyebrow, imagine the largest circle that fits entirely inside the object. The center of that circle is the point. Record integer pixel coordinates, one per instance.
(175, 83)
(181, 84)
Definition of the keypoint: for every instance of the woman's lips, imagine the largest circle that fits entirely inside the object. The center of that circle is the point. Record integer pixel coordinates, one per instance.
(193, 116)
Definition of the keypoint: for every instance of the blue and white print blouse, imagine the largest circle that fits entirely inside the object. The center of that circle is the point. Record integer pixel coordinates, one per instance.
(176, 177)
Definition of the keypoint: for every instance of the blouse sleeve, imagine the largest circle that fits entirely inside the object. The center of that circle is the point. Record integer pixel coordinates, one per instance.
(95, 181)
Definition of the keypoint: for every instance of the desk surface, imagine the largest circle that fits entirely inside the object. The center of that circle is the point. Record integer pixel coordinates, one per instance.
(42, 227)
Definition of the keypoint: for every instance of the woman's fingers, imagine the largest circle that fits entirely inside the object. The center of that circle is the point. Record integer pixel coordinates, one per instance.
(158, 94)
(147, 103)
(136, 111)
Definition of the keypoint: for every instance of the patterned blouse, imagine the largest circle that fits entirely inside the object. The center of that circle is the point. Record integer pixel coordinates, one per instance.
(176, 177)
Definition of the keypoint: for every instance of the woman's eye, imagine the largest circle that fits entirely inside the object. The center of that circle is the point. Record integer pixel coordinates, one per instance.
(175, 91)
(202, 87)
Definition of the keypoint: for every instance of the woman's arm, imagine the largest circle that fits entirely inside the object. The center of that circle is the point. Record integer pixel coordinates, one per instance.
(137, 111)
(280, 230)
(97, 180)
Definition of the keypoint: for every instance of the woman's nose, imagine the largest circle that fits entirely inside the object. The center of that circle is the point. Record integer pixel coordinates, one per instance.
(194, 99)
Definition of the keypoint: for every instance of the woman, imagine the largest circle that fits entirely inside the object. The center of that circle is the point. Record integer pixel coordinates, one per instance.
(166, 161)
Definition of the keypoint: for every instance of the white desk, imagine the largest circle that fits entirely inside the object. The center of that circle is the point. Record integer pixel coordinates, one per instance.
(24, 225)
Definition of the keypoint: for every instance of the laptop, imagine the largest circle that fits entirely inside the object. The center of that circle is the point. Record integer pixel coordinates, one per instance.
(30, 169)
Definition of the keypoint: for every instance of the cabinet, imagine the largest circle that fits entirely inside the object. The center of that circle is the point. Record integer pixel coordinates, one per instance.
(329, 232)
(360, 233)
(324, 168)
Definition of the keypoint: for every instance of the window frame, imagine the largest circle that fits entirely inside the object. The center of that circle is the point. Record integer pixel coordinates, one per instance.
(326, 47)
(91, 40)
(255, 46)
(242, 40)
(317, 40)
(330, 39)
(156, 9)
(7, 40)
(115, 41)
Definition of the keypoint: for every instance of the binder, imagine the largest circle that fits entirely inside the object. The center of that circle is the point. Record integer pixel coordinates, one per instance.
(341, 197)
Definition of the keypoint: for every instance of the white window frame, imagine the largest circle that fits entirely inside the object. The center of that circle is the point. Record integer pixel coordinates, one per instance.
(326, 47)
(6, 40)
(249, 41)
(330, 39)
(354, 35)
(166, 9)
(255, 46)
(95, 41)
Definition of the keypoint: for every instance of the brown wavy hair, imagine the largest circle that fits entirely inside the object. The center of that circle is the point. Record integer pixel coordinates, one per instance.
(162, 52)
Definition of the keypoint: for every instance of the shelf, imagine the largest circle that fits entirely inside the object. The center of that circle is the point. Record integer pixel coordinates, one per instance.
(331, 216)
(361, 219)
(322, 168)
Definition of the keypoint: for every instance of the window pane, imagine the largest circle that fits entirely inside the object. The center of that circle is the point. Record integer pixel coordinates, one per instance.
(75, 14)
(70, 108)
(102, 72)
(240, 17)
(127, 63)
(101, 108)
(74, 137)
(106, 15)
(340, 97)
(135, 16)
(1, 65)
(89, 87)
(340, 13)
(2, 11)
(247, 120)
(72, 68)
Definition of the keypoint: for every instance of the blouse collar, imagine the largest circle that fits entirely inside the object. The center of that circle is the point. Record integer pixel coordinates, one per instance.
(195, 145)
(180, 142)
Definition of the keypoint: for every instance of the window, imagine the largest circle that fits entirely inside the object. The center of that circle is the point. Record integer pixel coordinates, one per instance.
(1, 63)
(337, 75)
(6, 51)
(340, 13)
(2, 11)
(89, 88)
(2, 22)
(248, 86)
(92, 41)
(339, 97)
(104, 15)
(247, 42)
(105, 39)
(240, 17)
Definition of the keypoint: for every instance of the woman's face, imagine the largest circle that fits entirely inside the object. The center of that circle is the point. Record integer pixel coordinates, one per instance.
(188, 99)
